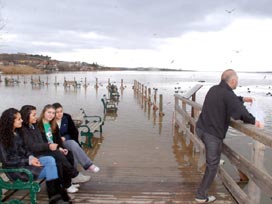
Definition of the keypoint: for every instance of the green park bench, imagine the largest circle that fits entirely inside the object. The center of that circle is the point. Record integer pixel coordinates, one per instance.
(114, 94)
(90, 125)
(109, 105)
(9, 187)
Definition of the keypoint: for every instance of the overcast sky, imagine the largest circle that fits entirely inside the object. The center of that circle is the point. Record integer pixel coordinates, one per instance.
(180, 34)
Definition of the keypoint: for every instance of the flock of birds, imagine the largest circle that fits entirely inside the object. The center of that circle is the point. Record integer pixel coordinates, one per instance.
(179, 90)
(267, 93)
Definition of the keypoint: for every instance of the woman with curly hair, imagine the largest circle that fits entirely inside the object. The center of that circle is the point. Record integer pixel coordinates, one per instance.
(15, 155)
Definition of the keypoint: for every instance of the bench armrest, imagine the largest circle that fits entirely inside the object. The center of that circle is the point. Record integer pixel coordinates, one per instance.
(19, 170)
(84, 126)
(14, 185)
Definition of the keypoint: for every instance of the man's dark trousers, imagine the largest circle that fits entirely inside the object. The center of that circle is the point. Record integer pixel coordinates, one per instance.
(213, 147)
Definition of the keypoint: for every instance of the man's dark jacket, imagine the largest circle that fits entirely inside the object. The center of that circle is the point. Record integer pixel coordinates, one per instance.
(219, 106)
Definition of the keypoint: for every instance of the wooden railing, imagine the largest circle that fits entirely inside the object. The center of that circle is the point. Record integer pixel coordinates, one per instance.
(186, 115)
(149, 97)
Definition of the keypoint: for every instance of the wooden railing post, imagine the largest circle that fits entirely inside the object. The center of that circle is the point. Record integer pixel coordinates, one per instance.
(149, 96)
(193, 112)
(135, 86)
(96, 83)
(161, 106)
(122, 84)
(56, 82)
(85, 82)
(145, 93)
(254, 191)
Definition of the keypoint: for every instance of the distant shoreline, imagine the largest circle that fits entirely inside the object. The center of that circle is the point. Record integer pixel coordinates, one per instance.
(26, 70)
(19, 69)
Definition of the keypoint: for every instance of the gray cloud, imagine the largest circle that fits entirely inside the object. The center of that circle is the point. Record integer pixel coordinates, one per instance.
(125, 24)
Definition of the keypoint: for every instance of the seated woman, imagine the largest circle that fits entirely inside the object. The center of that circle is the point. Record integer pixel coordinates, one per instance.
(69, 134)
(15, 155)
(40, 146)
(50, 132)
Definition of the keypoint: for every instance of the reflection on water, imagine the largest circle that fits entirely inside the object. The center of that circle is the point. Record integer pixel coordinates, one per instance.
(183, 151)
(165, 82)
(182, 146)
(110, 116)
(96, 142)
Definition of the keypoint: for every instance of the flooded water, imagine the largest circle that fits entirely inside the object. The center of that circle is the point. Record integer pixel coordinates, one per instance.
(257, 85)
(167, 83)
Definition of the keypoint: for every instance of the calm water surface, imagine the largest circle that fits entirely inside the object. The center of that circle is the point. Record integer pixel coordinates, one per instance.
(256, 85)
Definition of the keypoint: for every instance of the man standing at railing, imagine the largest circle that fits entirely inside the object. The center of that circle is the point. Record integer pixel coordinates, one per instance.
(220, 105)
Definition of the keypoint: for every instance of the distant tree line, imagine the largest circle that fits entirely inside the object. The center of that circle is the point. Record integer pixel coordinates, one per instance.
(22, 56)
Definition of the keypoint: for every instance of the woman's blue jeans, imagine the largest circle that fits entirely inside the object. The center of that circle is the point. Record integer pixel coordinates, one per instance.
(49, 171)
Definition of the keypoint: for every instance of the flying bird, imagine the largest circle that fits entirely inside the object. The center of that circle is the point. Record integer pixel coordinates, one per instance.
(230, 11)
(237, 51)
(172, 61)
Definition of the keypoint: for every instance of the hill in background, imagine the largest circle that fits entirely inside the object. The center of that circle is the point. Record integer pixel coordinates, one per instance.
(25, 63)
(22, 63)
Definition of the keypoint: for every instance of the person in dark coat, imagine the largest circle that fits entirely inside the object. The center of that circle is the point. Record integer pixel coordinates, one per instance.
(69, 135)
(220, 105)
(15, 155)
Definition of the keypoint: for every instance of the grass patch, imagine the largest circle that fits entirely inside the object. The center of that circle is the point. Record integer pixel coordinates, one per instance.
(19, 69)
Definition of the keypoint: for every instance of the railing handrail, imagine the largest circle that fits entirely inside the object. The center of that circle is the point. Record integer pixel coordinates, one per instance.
(253, 132)
(248, 129)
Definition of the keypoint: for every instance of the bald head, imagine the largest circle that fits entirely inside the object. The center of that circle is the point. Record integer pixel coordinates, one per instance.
(230, 77)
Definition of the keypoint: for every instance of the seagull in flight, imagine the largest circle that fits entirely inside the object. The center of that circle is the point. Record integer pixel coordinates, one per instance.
(230, 11)
(237, 51)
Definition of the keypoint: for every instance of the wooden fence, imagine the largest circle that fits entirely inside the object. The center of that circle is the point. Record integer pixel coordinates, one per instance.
(147, 95)
(260, 181)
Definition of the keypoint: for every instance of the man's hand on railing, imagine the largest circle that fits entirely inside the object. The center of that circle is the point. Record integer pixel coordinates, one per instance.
(248, 99)
(259, 124)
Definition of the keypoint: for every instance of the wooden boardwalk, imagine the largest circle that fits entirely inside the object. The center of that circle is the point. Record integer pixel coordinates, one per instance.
(141, 165)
